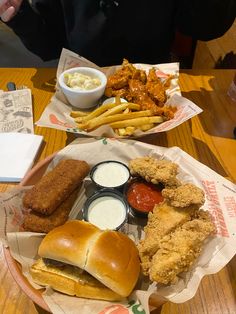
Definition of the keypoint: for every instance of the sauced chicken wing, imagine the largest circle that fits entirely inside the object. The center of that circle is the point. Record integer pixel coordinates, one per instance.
(155, 88)
(140, 75)
(136, 86)
(122, 76)
(167, 112)
(122, 93)
(117, 81)
(139, 95)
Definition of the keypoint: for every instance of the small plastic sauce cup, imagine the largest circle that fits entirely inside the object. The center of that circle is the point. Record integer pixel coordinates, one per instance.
(110, 174)
(142, 196)
(106, 209)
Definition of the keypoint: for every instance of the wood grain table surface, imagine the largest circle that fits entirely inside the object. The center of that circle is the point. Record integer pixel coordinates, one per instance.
(207, 137)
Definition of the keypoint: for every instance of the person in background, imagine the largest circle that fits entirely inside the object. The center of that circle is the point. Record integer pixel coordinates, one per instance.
(106, 31)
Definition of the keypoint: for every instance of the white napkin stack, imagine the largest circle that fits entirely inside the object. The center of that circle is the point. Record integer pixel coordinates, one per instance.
(17, 154)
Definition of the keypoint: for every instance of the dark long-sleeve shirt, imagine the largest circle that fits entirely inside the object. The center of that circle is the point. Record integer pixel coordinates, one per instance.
(107, 31)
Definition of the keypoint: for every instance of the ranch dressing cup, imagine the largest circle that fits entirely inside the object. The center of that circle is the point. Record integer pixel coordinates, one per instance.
(106, 209)
(110, 174)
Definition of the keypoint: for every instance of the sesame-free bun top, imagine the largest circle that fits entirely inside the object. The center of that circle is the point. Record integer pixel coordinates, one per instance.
(109, 256)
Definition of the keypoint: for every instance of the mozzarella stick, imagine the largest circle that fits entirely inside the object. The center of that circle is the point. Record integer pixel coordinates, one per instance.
(53, 188)
(36, 222)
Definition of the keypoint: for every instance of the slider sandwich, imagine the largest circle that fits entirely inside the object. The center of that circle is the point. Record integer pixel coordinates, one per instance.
(79, 259)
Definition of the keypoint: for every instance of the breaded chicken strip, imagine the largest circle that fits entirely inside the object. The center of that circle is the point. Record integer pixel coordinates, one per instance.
(36, 222)
(184, 195)
(180, 249)
(163, 220)
(53, 188)
(154, 170)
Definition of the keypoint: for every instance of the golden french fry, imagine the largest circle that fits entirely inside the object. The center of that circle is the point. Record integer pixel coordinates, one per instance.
(133, 106)
(119, 108)
(125, 131)
(75, 114)
(79, 125)
(130, 130)
(117, 100)
(127, 110)
(136, 121)
(146, 127)
(91, 124)
(121, 132)
(96, 112)
(79, 119)
(114, 110)
(104, 110)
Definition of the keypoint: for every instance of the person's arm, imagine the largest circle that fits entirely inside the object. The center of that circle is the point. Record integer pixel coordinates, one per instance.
(41, 27)
(205, 19)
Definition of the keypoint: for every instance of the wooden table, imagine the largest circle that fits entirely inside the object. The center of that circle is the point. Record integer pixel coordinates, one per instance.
(207, 137)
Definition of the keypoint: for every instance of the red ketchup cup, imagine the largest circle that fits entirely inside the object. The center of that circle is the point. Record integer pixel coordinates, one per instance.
(142, 196)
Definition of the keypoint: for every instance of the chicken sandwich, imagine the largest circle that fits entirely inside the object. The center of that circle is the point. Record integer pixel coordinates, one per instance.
(80, 259)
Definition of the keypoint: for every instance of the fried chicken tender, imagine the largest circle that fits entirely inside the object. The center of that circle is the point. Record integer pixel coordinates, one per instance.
(154, 170)
(176, 228)
(162, 221)
(184, 195)
(37, 222)
(180, 249)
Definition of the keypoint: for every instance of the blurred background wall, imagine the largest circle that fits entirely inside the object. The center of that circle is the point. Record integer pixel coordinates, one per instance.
(218, 53)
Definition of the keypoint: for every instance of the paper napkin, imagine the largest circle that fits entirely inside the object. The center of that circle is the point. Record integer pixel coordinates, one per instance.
(17, 154)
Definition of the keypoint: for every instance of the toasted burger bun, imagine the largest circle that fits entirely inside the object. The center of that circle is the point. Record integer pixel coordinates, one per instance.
(69, 243)
(109, 256)
(71, 280)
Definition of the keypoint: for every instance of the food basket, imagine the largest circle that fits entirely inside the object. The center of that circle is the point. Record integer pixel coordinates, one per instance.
(58, 112)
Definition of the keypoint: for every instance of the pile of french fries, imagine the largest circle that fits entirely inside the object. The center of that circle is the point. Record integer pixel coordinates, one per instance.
(123, 117)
